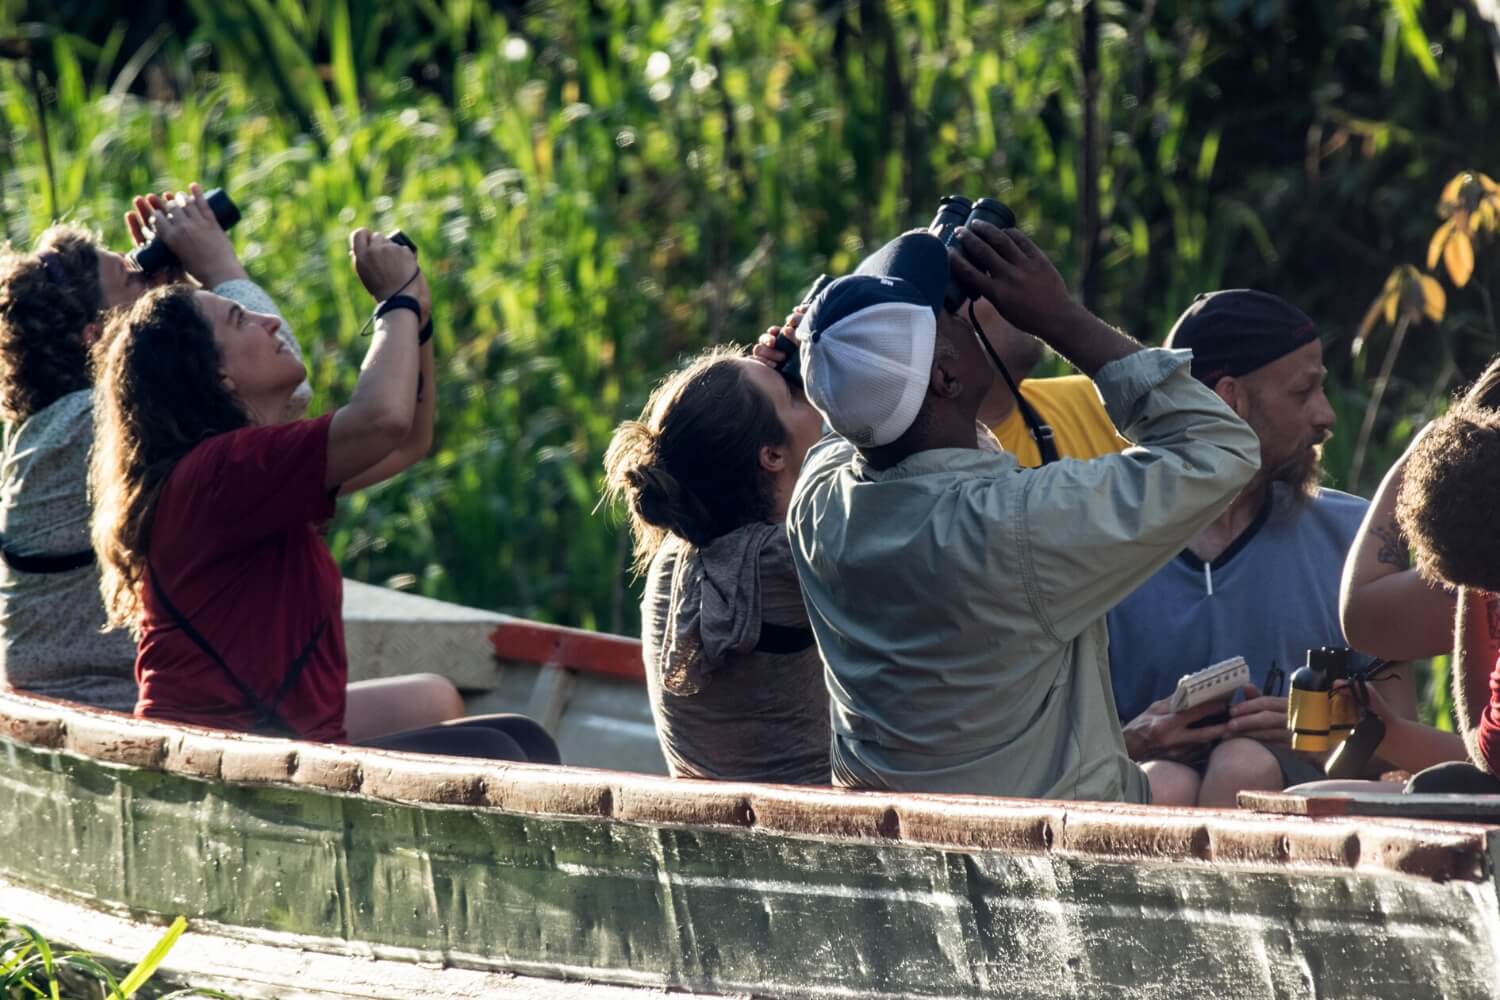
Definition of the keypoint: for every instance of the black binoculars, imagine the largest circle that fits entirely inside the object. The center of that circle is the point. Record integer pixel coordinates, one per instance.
(955, 210)
(156, 255)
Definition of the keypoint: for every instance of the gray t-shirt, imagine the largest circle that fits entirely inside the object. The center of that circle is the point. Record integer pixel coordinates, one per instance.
(735, 682)
(1270, 597)
(51, 641)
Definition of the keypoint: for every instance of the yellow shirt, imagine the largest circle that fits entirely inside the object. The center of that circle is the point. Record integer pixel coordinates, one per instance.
(1071, 405)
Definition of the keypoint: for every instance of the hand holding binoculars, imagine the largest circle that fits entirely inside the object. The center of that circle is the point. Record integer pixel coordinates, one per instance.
(1324, 715)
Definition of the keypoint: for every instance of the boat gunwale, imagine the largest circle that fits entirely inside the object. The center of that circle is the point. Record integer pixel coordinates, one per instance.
(1434, 850)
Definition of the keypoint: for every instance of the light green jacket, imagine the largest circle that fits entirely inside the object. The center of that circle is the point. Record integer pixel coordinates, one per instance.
(958, 599)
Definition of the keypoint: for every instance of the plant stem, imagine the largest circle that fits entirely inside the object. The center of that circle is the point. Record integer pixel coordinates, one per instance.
(1367, 426)
(41, 125)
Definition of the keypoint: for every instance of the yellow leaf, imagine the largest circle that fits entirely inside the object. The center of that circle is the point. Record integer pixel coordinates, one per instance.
(1451, 189)
(1458, 256)
(1392, 303)
(1435, 248)
(1488, 184)
(1487, 216)
(1434, 299)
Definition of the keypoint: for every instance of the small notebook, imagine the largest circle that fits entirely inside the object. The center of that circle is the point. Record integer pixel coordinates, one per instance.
(1215, 683)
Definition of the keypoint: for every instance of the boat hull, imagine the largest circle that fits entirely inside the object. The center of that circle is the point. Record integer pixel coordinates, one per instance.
(605, 877)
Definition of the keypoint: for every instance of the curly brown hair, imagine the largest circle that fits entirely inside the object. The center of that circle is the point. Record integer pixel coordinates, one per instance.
(157, 395)
(690, 466)
(47, 298)
(1446, 504)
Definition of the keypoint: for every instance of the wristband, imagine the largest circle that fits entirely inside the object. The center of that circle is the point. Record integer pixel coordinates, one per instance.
(395, 302)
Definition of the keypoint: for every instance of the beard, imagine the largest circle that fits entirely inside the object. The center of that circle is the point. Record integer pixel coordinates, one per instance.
(1301, 472)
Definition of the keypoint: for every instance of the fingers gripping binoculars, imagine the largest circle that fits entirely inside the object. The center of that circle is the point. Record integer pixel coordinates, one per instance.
(156, 255)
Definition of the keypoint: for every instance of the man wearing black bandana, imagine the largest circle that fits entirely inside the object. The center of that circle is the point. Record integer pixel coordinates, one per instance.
(1262, 580)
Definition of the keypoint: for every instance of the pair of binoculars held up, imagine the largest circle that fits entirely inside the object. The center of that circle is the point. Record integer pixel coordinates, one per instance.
(156, 255)
(1319, 717)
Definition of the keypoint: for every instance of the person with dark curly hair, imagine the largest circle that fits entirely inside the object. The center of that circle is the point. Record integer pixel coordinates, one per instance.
(1445, 512)
(54, 301)
(210, 503)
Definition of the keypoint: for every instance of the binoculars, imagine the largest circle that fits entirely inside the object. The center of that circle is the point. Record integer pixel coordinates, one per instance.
(1319, 717)
(955, 210)
(156, 255)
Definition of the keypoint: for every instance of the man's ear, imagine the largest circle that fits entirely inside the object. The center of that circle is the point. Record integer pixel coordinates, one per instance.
(772, 458)
(1234, 392)
(945, 382)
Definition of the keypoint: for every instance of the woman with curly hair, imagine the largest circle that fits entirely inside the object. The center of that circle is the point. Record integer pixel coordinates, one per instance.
(54, 301)
(706, 473)
(209, 503)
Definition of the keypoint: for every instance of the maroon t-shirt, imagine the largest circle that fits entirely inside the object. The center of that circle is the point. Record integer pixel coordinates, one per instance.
(235, 546)
(1489, 724)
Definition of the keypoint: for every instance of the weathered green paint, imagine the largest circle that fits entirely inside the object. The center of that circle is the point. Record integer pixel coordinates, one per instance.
(720, 910)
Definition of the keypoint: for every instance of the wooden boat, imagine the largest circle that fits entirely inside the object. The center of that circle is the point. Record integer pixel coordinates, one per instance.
(310, 870)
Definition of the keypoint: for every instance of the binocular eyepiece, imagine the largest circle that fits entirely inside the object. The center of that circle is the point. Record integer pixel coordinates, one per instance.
(156, 255)
(955, 210)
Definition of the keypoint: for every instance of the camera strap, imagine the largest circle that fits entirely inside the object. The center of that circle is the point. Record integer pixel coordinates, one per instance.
(267, 720)
(1041, 431)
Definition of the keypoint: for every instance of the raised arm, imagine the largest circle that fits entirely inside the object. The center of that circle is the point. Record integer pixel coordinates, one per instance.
(1386, 609)
(379, 417)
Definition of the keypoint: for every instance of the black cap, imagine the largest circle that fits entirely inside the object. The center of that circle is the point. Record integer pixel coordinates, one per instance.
(918, 258)
(1236, 331)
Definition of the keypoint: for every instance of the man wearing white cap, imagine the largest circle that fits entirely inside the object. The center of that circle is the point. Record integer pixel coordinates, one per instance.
(958, 600)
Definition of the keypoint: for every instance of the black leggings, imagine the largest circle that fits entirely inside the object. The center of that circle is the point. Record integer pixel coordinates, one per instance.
(491, 737)
(1457, 777)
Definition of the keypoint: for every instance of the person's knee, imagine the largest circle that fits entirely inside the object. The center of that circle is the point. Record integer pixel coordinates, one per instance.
(1238, 765)
(1172, 784)
(439, 695)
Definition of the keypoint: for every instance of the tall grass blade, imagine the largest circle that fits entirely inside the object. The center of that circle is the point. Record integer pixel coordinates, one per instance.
(147, 966)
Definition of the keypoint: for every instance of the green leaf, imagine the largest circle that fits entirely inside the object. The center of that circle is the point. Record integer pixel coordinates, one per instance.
(1414, 37)
(148, 965)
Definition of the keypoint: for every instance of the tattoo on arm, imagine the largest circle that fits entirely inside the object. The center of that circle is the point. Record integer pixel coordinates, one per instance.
(1393, 550)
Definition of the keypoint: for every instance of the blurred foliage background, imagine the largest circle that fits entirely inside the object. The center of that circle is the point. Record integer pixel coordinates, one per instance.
(600, 186)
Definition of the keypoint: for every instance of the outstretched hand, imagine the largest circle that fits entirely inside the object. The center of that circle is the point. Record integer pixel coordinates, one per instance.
(1005, 267)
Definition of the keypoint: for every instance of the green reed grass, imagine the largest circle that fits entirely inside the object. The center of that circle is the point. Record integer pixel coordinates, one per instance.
(32, 969)
(599, 189)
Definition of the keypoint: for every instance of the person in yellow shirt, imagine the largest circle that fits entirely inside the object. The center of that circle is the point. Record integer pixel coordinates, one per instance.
(1070, 405)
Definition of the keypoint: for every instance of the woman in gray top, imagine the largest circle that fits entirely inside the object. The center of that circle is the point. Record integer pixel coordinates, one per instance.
(735, 681)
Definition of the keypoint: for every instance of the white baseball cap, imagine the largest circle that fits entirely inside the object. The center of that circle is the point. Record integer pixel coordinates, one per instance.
(869, 337)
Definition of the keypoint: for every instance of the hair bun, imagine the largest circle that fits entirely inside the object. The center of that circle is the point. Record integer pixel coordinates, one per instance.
(660, 500)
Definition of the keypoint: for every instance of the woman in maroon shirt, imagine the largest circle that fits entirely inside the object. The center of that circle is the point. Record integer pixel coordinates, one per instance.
(208, 507)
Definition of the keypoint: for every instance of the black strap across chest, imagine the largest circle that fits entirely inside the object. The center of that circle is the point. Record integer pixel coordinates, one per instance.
(267, 719)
